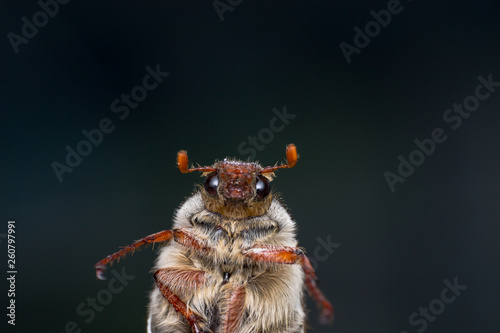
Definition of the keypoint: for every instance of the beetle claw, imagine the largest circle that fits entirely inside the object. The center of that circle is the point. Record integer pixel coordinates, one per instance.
(99, 272)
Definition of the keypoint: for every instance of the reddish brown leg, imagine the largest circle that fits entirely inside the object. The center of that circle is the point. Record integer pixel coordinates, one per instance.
(326, 315)
(188, 239)
(158, 237)
(291, 255)
(235, 310)
(171, 278)
(181, 236)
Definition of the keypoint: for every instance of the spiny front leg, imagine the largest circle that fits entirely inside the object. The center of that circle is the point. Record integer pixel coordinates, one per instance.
(159, 237)
(181, 236)
(168, 279)
(292, 255)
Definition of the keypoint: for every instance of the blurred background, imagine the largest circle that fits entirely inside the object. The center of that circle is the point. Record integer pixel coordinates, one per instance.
(354, 104)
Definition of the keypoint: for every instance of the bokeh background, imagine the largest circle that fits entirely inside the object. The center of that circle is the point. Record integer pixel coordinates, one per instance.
(353, 120)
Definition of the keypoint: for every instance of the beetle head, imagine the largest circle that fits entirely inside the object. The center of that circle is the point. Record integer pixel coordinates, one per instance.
(237, 188)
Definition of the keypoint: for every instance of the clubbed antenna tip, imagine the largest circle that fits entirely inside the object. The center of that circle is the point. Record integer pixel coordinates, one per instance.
(291, 157)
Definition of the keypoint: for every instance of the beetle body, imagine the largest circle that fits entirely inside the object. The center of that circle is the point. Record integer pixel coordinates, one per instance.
(231, 263)
(273, 300)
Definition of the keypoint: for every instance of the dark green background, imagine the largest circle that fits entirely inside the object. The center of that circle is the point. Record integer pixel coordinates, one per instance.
(353, 120)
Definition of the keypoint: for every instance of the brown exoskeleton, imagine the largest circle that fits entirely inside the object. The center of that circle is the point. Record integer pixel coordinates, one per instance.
(232, 263)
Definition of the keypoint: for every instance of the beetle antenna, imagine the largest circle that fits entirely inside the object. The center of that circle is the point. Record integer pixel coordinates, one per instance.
(182, 163)
(291, 157)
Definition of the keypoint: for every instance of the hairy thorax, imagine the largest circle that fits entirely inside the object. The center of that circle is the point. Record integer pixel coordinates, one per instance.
(270, 288)
(228, 237)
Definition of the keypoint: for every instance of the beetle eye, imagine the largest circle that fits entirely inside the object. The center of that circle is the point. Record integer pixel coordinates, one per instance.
(262, 187)
(211, 183)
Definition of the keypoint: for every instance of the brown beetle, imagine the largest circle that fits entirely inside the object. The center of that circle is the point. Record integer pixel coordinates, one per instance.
(231, 263)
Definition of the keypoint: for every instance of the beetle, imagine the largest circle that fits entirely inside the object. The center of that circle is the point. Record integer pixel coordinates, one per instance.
(231, 263)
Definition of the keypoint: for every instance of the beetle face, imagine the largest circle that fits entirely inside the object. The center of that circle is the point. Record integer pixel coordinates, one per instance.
(235, 181)
(237, 189)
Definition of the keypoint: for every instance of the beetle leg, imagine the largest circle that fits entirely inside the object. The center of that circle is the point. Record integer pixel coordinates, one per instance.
(292, 255)
(326, 315)
(181, 236)
(170, 278)
(159, 237)
(188, 239)
(235, 310)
